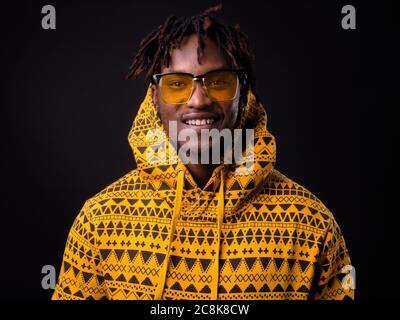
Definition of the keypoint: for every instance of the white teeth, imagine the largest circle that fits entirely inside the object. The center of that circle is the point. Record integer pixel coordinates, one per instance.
(199, 122)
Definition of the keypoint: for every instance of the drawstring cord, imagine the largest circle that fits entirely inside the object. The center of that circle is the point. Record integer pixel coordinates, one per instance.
(220, 218)
(177, 208)
(175, 215)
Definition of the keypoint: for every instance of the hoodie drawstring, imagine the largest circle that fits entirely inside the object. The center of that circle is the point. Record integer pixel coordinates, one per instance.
(220, 218)
(175, 216)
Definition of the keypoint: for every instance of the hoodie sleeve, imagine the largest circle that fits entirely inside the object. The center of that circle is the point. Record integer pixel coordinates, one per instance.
(80, 275)
(335, 276)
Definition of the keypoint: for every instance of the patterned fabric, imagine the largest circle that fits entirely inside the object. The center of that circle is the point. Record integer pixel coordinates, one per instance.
(248, 234)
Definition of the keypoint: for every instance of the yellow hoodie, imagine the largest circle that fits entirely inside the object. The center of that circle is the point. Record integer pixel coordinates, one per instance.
(248, 234)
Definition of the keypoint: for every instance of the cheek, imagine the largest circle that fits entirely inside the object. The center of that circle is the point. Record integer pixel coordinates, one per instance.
(167, 113)
(231, 114)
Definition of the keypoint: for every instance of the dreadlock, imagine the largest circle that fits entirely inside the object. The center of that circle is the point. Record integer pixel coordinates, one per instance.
(154, 49)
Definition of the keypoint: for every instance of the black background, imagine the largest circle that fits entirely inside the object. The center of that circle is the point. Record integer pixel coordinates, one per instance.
(67, 110)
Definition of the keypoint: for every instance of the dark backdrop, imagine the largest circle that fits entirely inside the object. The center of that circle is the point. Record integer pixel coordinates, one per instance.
(67, 110)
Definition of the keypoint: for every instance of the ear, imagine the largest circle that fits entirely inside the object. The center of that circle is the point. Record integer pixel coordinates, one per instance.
(155, 100)
(155, 95)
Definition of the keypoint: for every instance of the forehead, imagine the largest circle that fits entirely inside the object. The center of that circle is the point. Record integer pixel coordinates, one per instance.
(184, 59)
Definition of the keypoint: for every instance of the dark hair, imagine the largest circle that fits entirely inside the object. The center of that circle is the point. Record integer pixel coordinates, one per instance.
(154, 49)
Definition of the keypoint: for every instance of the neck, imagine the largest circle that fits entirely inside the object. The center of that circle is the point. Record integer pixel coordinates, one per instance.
(201, 173)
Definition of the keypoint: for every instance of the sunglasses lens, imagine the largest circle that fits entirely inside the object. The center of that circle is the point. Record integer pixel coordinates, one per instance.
(176, 88)
(222, 85)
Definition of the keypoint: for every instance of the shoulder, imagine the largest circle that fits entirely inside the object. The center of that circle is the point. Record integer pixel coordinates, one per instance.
(127, 182)
(119, 192)
(290, 196)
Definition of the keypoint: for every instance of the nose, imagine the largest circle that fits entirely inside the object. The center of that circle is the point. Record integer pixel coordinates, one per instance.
(199, 98)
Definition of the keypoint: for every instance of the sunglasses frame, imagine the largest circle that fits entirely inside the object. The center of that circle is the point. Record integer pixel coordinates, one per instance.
(239, 72)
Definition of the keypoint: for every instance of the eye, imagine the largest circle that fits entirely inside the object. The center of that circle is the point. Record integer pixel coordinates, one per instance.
(217, 82)
(175, 84)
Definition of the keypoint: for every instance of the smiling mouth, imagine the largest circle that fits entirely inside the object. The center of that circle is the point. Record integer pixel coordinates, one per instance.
(200, 119)
(199, 122)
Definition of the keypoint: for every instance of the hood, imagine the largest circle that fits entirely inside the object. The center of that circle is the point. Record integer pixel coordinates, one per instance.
(158, 162)
(159, 165)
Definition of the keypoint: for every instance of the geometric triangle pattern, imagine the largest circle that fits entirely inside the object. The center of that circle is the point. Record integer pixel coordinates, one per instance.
(277, 240)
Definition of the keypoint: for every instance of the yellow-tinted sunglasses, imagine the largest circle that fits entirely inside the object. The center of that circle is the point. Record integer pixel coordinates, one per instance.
(178, 87)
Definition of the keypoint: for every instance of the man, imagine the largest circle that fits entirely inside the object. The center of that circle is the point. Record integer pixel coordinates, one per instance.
(176, 228)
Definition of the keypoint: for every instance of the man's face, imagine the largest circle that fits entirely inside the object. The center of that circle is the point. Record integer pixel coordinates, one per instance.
(224, 114)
